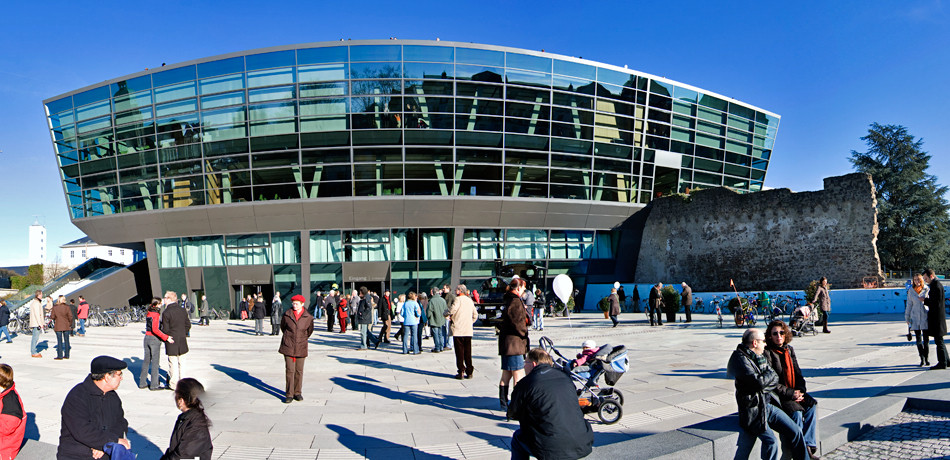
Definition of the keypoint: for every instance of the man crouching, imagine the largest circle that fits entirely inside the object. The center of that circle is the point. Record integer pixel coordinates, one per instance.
(759, 408)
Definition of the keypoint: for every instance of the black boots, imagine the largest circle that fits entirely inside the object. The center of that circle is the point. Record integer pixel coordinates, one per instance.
(503, 396)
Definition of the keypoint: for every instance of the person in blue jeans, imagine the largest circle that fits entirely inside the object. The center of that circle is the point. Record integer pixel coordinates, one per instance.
(37, 321)
(411, 311)
(791, 391)
(759, 406)
(5, 320)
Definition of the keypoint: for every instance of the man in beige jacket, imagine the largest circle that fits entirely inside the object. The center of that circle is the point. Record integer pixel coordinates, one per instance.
(37, 321)
(463, 314)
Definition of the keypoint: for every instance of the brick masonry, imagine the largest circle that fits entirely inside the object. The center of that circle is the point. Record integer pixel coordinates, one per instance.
(772, 240)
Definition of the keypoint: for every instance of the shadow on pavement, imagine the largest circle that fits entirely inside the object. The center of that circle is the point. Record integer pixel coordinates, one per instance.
(459, 404)
(866, 392)
(243, 377)
(143, 448)
(848, 371)
(395, 367)
(376, 448)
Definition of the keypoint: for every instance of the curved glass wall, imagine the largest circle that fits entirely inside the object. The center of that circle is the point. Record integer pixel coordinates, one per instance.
(398, 119)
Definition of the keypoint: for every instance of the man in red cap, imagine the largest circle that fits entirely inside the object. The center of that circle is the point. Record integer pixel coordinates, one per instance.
(297, 327)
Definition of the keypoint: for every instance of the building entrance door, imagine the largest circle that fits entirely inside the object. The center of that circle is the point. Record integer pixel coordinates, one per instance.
(266, 292)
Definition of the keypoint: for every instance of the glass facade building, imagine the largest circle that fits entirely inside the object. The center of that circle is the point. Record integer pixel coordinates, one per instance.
(413, 122)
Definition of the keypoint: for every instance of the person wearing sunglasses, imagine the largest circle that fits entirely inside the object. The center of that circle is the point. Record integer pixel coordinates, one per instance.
(796, 402)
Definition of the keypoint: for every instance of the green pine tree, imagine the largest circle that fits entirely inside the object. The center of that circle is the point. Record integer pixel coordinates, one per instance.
(913, 219)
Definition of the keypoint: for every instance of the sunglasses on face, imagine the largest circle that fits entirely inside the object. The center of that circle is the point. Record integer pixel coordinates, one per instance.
(776, 333)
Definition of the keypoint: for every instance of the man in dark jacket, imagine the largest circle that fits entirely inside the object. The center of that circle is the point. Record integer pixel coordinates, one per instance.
(329, 304)
(758, 406)
(545, 404)
(614, 306)
(385, 311)
(5, 320)
(364, 319)
(655, 304)
(258, 313)
(936, 318)
(92, 414)
(297, 326)
(687, 296)
(175, 323)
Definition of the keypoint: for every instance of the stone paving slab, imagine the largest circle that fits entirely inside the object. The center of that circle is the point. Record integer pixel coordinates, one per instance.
(912, 434)
(358, 400)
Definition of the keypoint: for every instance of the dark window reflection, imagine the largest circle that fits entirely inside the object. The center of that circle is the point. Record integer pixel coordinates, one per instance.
(481, 91)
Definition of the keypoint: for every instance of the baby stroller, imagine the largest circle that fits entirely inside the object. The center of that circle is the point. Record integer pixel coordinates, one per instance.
(802, 321)
(608, 363)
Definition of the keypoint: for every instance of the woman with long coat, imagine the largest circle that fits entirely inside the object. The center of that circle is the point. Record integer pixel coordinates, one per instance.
(916, 316)
(512, 339)
(791, 391)
(297, 326)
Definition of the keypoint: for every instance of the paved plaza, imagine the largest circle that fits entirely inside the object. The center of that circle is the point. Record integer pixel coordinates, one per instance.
(376, 404)
(912, 434)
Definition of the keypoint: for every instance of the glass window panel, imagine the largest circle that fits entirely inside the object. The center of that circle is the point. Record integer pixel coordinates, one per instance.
(742, 111)
(135, 115)
(231, 116)
(178, 91)
(60, 105)
(99, 124)
(479, 56)
(221, 84)
(169, 77)
(527, 78)
(479, 73)
(323, 72)
(222, 100)
(661, 88)
(271, 94)
(429, 53)
(375, 53)
(376, 87)
(286, 248)
(133, 101)
(683, 94)
(571, 244)
(321, 55)
(573, 100)
(528, 62)
(574, 69)
(428, 70)
(324, 123)
(164, 110)
(315, 107)
(375, 70)
(429, 87)
(270, 60)
(573, 84)
(713, 102)
(616, 78)
(479, 106)
(221, 67)
(94, 110)
(337, 88)
(270, 77)
(92, 95)
(203, 251)
(169, 253)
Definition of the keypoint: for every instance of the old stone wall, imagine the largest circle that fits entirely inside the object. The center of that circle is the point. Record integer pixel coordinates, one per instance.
(771, 240)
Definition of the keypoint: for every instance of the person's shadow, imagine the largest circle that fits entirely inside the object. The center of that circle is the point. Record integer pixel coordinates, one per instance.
(378, 448)
(135, 368)
(243, 377)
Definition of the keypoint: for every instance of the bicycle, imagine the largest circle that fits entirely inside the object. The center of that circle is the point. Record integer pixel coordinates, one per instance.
(744, 313)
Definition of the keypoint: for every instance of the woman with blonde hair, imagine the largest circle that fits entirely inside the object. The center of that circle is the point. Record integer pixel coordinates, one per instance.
(915, 313)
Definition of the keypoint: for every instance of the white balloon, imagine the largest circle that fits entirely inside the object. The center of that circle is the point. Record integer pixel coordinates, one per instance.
(563, 287)
(616, 284)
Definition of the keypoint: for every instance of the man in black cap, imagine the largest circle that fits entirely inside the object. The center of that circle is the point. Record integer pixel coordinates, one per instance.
(92, 413)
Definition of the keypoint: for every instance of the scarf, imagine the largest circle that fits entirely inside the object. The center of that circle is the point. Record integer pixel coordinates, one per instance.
(789, 367)
(919, 288)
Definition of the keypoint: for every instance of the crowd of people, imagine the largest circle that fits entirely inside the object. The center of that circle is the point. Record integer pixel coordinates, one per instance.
(771, 391)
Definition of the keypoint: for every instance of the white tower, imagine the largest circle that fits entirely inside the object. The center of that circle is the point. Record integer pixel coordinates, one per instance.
(37, 243)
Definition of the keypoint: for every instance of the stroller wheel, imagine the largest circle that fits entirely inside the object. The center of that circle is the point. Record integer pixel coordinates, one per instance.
(612, 393)
(610, 412)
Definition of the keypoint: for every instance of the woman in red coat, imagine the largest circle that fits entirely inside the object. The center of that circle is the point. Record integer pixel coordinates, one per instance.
(12, 416)
(341, 312)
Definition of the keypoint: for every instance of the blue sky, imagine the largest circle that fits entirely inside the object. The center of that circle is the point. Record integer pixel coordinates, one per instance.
(829, 69)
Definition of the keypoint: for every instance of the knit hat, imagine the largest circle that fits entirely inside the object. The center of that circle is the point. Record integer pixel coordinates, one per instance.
(589, 344)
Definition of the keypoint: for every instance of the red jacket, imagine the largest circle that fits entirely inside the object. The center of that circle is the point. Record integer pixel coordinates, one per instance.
(12, 423)
(83, 310)
(152, 320)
